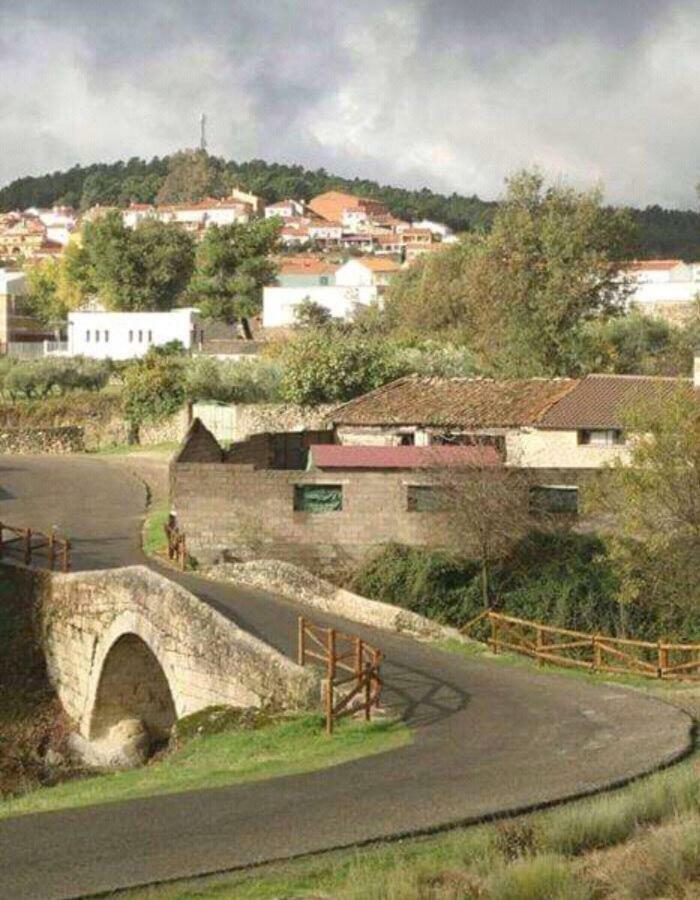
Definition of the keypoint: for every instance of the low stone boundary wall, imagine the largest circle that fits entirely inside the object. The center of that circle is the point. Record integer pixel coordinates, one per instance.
(63, 439)
(298, 584)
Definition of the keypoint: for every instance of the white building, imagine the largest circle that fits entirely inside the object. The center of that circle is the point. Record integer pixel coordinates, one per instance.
(663, 287)
(359, 282)
(125, 335)
(284, 209)
(435, 228)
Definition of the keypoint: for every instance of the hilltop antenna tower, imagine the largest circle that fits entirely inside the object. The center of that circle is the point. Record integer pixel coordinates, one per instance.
(203, 132)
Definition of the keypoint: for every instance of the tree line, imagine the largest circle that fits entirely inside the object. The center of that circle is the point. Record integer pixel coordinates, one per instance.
(659, 232)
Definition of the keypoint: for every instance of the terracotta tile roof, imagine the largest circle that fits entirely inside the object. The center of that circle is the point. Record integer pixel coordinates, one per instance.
(337, 456)
(379, 263)
(301, 265)
(601, 401)
(455, 402)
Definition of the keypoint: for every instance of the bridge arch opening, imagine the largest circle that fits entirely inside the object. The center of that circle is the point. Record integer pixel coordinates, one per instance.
(132, 685)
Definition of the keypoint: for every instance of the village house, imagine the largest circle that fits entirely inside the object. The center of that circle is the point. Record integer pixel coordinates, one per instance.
(285, 209)
(376, 473)
(359, 282)
(125, 335)
(667, 288)
(239, 207)
(350, 211)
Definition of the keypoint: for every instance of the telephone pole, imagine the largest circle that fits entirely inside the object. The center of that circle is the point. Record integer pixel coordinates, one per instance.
(203, 132)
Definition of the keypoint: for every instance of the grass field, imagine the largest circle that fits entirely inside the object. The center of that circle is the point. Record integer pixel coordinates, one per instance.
(286, 746)
(155, 542)
(642, 841)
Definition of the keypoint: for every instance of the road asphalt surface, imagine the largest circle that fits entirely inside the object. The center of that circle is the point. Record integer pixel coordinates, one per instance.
(488, 739)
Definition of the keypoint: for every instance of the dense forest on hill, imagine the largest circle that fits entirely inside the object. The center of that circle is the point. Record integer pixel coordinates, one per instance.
(660, 232)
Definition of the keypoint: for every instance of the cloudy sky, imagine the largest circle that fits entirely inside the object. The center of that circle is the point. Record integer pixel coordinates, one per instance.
(453, 94)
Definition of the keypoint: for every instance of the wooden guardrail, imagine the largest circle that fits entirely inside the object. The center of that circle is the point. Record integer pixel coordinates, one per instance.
(177, 545)
(352, 669)
(28, 544)
(594, 652)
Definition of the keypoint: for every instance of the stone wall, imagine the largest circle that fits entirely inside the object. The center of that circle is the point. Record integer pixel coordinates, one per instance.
(238, 421)
(66, 439)
(233, 512)
(205, 658)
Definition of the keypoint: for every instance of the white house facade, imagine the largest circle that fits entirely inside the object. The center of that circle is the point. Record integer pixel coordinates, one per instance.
(126, 335)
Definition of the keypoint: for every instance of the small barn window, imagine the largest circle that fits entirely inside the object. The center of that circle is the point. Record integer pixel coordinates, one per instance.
(318, 498)
(87, 336)
(602, 437)
(554, 499)
(424, 498)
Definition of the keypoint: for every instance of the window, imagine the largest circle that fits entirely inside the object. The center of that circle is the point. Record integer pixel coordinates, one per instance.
(106, 336)
(323, 280)
(140, 336)
(150, 337)
(318, 498)
(424, 498)
(97, 335)
(604, 437)
(407, 440)
(131, 336)
(554, 499)
(87, 336)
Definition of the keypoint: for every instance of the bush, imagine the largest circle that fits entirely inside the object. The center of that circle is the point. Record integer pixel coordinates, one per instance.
(52, 376)
(331, 365)
(439, 360)
(540, 878)
(430, 582)
(154, 386)
(244, 381)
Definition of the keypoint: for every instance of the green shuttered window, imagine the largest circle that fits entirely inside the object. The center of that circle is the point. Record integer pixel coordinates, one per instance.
(318, 498)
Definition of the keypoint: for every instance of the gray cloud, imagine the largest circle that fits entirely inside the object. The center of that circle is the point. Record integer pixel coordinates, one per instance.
(449, 93)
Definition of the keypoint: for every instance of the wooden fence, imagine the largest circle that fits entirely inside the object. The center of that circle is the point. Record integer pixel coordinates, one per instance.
(28, 544)
(177, 545)
(594, 652)
(352, 669)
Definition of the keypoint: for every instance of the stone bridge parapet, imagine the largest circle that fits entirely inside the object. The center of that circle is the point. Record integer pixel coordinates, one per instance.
(130, 643)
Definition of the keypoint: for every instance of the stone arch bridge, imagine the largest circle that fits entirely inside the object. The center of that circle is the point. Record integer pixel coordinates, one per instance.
(130, 644)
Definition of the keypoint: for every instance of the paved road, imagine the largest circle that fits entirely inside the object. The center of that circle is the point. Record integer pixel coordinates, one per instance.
(488, 739)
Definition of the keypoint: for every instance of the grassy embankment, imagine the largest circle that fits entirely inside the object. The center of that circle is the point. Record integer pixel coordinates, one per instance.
(639, 842)
(273, 746)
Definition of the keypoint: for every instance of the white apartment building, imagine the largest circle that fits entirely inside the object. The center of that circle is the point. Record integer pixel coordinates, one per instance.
(126, 335)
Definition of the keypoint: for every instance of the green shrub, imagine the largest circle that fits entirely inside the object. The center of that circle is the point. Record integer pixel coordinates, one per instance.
(51, 376)
(154, 386)
(543, 877)
(430, 582)
(226, 381)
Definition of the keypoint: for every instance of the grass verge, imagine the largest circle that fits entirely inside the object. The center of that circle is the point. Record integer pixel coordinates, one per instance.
(641, 841)
(286, 746)
(155, 542)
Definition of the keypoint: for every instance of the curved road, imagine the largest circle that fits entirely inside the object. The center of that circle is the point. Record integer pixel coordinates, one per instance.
(488, 739)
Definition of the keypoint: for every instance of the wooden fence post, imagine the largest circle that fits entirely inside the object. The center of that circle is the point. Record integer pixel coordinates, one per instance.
(597, 657)
(662, 659)
(52, 550)
(494, 633)
(27, 546)
(301, 655)
(659, 660)
(539, 644)
(66, 556)
(330, 679)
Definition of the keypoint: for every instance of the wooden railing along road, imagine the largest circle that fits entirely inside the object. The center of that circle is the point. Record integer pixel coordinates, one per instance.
(594, 652)
(28, 544)
(352, 669)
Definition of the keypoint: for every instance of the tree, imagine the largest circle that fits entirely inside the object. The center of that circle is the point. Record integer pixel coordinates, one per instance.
(146, 268)
(487, 510)
(521, 295)
(192, 175)
(154, 385)
(42, 300)
(233, 265)
(330, 365)
(654, 500)
(310, 314)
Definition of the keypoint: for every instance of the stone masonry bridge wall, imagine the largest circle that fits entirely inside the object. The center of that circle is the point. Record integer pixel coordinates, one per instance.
(129, 643)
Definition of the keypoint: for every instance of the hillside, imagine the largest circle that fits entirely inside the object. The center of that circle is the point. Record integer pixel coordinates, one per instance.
(661, 232)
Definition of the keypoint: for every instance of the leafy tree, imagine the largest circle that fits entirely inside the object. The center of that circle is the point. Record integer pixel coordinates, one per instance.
(655, 500)
(331, 365)
(154, 386)
(192, 175)
(146, 268)
(310, 314)
(43, 300)
(233, 265)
